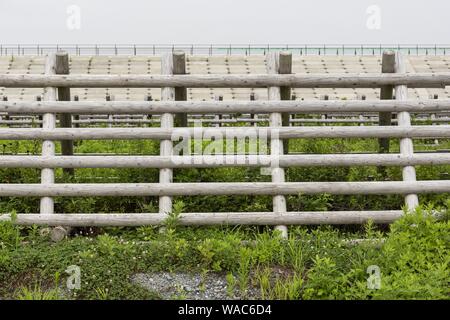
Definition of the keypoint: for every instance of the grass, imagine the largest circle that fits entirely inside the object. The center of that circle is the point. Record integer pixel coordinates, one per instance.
(314, 263)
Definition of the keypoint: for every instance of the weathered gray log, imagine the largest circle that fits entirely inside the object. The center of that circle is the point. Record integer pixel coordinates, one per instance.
(276, 144)
(386, 93)
(155, 107)
(48, 146)
(219, 188)
(65, 119)
(206, 218)
(60, 232)
(167, 122)
(326, 80)
(406, 144)
(285, 161)
(442, 131)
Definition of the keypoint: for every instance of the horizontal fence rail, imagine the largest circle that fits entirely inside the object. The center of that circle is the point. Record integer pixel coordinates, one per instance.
(326, 80)
(225, 188)
(206, 218)
(174, 134)
(139, 119)
(156, 107)
(303, 160)
(216, 121)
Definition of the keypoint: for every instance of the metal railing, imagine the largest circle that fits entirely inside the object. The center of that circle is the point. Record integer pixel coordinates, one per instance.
(221, 49)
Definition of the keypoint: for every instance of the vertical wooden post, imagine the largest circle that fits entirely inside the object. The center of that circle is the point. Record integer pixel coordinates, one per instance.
(5, 98)
(294, 116)
(324, 116)
(386, 93)
(148, 116)
(253, 116)
(167, 122)
(48, 147)
(406, 144)
(65, 120)
(76, 117)
(39, 117)
(218, 117)
(285, 67)
(110, 116)
(433, 117)
(179, 67)
(276, 144)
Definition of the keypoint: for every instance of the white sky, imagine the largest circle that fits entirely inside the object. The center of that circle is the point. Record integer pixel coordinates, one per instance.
(225, 21)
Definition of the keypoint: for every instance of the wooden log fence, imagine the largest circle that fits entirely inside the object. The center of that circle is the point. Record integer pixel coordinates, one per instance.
(173, 82)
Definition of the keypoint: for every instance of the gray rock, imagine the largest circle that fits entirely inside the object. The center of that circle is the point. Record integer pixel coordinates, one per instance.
(188, 286)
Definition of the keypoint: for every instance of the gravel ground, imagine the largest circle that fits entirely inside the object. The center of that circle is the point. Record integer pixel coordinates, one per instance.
(187, 286)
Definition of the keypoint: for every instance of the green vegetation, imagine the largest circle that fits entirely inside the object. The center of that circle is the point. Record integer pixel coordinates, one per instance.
(314, 263)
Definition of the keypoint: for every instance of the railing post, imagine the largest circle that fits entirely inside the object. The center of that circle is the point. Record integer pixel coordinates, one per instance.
(65, 120)
(167, 122)
(276, 144)
(179, 67)
(406, 144)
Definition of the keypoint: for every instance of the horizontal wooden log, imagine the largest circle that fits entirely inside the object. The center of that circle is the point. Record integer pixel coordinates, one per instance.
(220, 218)
(232, 120)
(326, 80)
(211, 161)
(155, 107)
(223, 132)
(213, 188)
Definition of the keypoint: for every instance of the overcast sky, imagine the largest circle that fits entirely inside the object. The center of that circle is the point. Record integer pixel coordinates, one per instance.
(225, 21)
